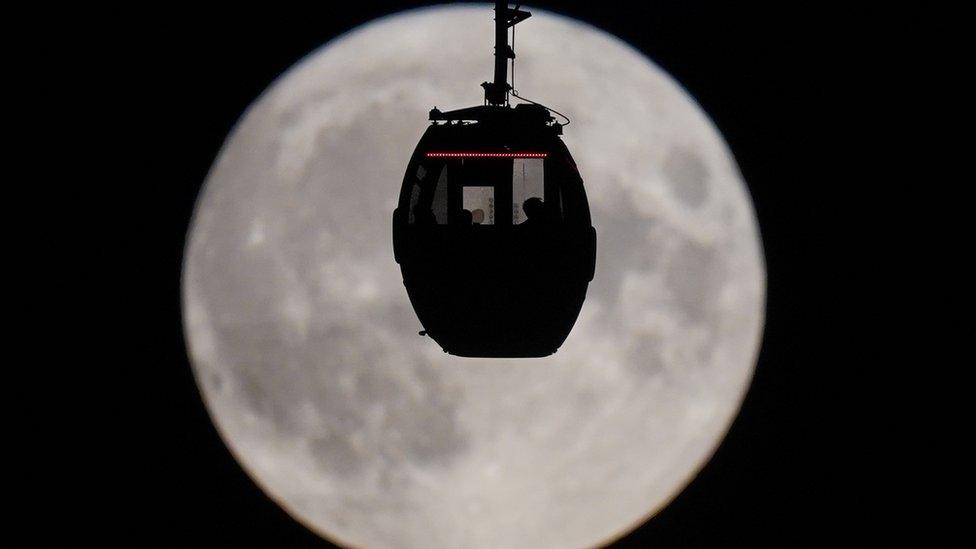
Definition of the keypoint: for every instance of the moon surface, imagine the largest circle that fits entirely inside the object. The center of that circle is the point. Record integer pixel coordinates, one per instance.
(305, 346)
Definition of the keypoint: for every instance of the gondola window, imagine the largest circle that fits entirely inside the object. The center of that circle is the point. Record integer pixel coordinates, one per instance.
(528, 178)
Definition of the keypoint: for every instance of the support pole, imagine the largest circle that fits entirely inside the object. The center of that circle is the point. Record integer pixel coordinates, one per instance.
(502, 51)
(496, 93)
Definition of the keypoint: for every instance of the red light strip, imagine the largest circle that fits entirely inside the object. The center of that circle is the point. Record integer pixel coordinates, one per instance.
(485, 155)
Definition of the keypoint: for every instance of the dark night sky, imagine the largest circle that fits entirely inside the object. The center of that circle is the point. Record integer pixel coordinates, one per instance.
(771, 77)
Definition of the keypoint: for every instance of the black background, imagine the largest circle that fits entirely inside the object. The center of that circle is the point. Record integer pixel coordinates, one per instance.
(777, 80)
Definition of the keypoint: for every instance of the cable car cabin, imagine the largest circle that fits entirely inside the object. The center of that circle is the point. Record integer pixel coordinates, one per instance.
(493, 232)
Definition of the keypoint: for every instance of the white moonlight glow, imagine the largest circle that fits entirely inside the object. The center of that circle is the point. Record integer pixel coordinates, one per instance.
(305, 346)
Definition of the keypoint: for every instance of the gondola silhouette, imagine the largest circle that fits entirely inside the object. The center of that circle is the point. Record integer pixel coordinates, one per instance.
(492, 230)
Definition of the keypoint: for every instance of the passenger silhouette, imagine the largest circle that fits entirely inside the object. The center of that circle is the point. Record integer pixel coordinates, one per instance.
(540, 242)
(534, 210)
(478, 216)
(466, 217)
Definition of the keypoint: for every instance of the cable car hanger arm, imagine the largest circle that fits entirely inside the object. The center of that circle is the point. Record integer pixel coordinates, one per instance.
(496, 93)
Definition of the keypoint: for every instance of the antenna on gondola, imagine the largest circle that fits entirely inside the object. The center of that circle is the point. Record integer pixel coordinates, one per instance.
(496, 93)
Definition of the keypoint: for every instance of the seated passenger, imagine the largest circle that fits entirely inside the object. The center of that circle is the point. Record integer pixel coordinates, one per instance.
(539, 244)
(535, 212)
(465, 218)
(478, 216)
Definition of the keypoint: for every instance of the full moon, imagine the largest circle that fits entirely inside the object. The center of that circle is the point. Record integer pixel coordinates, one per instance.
(305, 346)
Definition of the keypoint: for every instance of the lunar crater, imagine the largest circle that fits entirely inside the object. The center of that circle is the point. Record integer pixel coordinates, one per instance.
(695, 275)
(687, 177)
